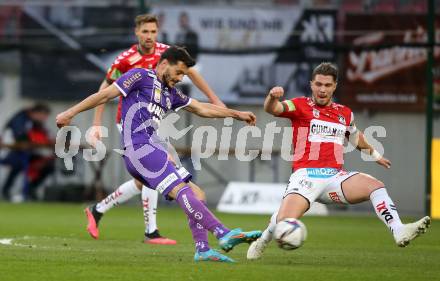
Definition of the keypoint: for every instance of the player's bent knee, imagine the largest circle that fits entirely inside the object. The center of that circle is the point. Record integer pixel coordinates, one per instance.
(293, 206)
(377, 184)
(200, 194)
(173, 193)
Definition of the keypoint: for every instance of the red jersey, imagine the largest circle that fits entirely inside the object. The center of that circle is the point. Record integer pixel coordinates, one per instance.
(133, 58)
(318, 132)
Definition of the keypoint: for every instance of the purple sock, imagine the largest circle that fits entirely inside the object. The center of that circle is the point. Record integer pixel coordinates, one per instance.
(196, 211)
(199, 234)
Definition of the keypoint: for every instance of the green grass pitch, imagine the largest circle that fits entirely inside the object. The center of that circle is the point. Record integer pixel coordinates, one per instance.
(50, 243)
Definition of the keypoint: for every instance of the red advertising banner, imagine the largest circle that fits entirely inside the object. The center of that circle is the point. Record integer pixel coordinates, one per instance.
(389, 77)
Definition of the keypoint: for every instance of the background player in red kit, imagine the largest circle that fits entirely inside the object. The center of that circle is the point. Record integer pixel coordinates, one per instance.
(145, 54)
(320, 127)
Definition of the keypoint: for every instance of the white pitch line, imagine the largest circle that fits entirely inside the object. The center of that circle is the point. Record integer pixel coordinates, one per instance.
(6, 241)
(12, 242)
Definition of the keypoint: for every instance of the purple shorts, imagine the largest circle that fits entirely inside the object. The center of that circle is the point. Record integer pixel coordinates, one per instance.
(150, 165)
(184, 174)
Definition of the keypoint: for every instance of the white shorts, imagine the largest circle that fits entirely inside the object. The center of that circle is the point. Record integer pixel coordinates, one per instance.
(319, 184)
(182, 171)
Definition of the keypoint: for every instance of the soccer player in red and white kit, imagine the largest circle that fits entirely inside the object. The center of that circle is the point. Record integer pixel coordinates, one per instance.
(145, 54)
(320, 127)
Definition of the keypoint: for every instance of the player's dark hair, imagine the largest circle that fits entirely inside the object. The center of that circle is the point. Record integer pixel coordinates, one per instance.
(326, 68)
(174, 54)
(40, 107)
(144, 18)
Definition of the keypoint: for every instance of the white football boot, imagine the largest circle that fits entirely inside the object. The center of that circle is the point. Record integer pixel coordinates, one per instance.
(411, 230)
(256, 249)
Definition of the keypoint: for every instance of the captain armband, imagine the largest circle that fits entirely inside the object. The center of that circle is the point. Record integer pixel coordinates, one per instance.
(288, 106)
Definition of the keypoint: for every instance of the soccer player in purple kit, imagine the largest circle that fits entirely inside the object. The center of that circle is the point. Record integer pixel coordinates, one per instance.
(145, 54)
(147, 96)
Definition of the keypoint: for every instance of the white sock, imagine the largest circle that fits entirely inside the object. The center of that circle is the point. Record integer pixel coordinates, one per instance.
(124, 192)
(149, 205)
(268, 232)
(386, 210)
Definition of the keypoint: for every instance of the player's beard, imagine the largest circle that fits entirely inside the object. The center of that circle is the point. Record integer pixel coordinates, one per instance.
(168, 80)
(147, 47)
(322, 101)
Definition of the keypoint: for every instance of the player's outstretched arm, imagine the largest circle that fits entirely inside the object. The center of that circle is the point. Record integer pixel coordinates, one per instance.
(213, 111)
(360, 142)
(272, 104)
(101, 97)
(99, 110)
(203, 86)
(96, 132)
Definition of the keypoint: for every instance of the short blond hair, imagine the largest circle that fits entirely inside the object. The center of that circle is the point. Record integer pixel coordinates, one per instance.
(144, 18)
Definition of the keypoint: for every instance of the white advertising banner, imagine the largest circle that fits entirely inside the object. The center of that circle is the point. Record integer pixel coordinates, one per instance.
(226, 28)
(222, 40)
(258, 198)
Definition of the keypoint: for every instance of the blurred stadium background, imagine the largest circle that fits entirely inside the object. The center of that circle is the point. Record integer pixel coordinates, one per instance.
(57, 52)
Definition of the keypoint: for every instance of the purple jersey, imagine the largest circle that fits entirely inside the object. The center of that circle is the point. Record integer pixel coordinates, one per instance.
(146, 101)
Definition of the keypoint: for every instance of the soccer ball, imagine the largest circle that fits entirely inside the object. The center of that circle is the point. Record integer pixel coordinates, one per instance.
(290, 234)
